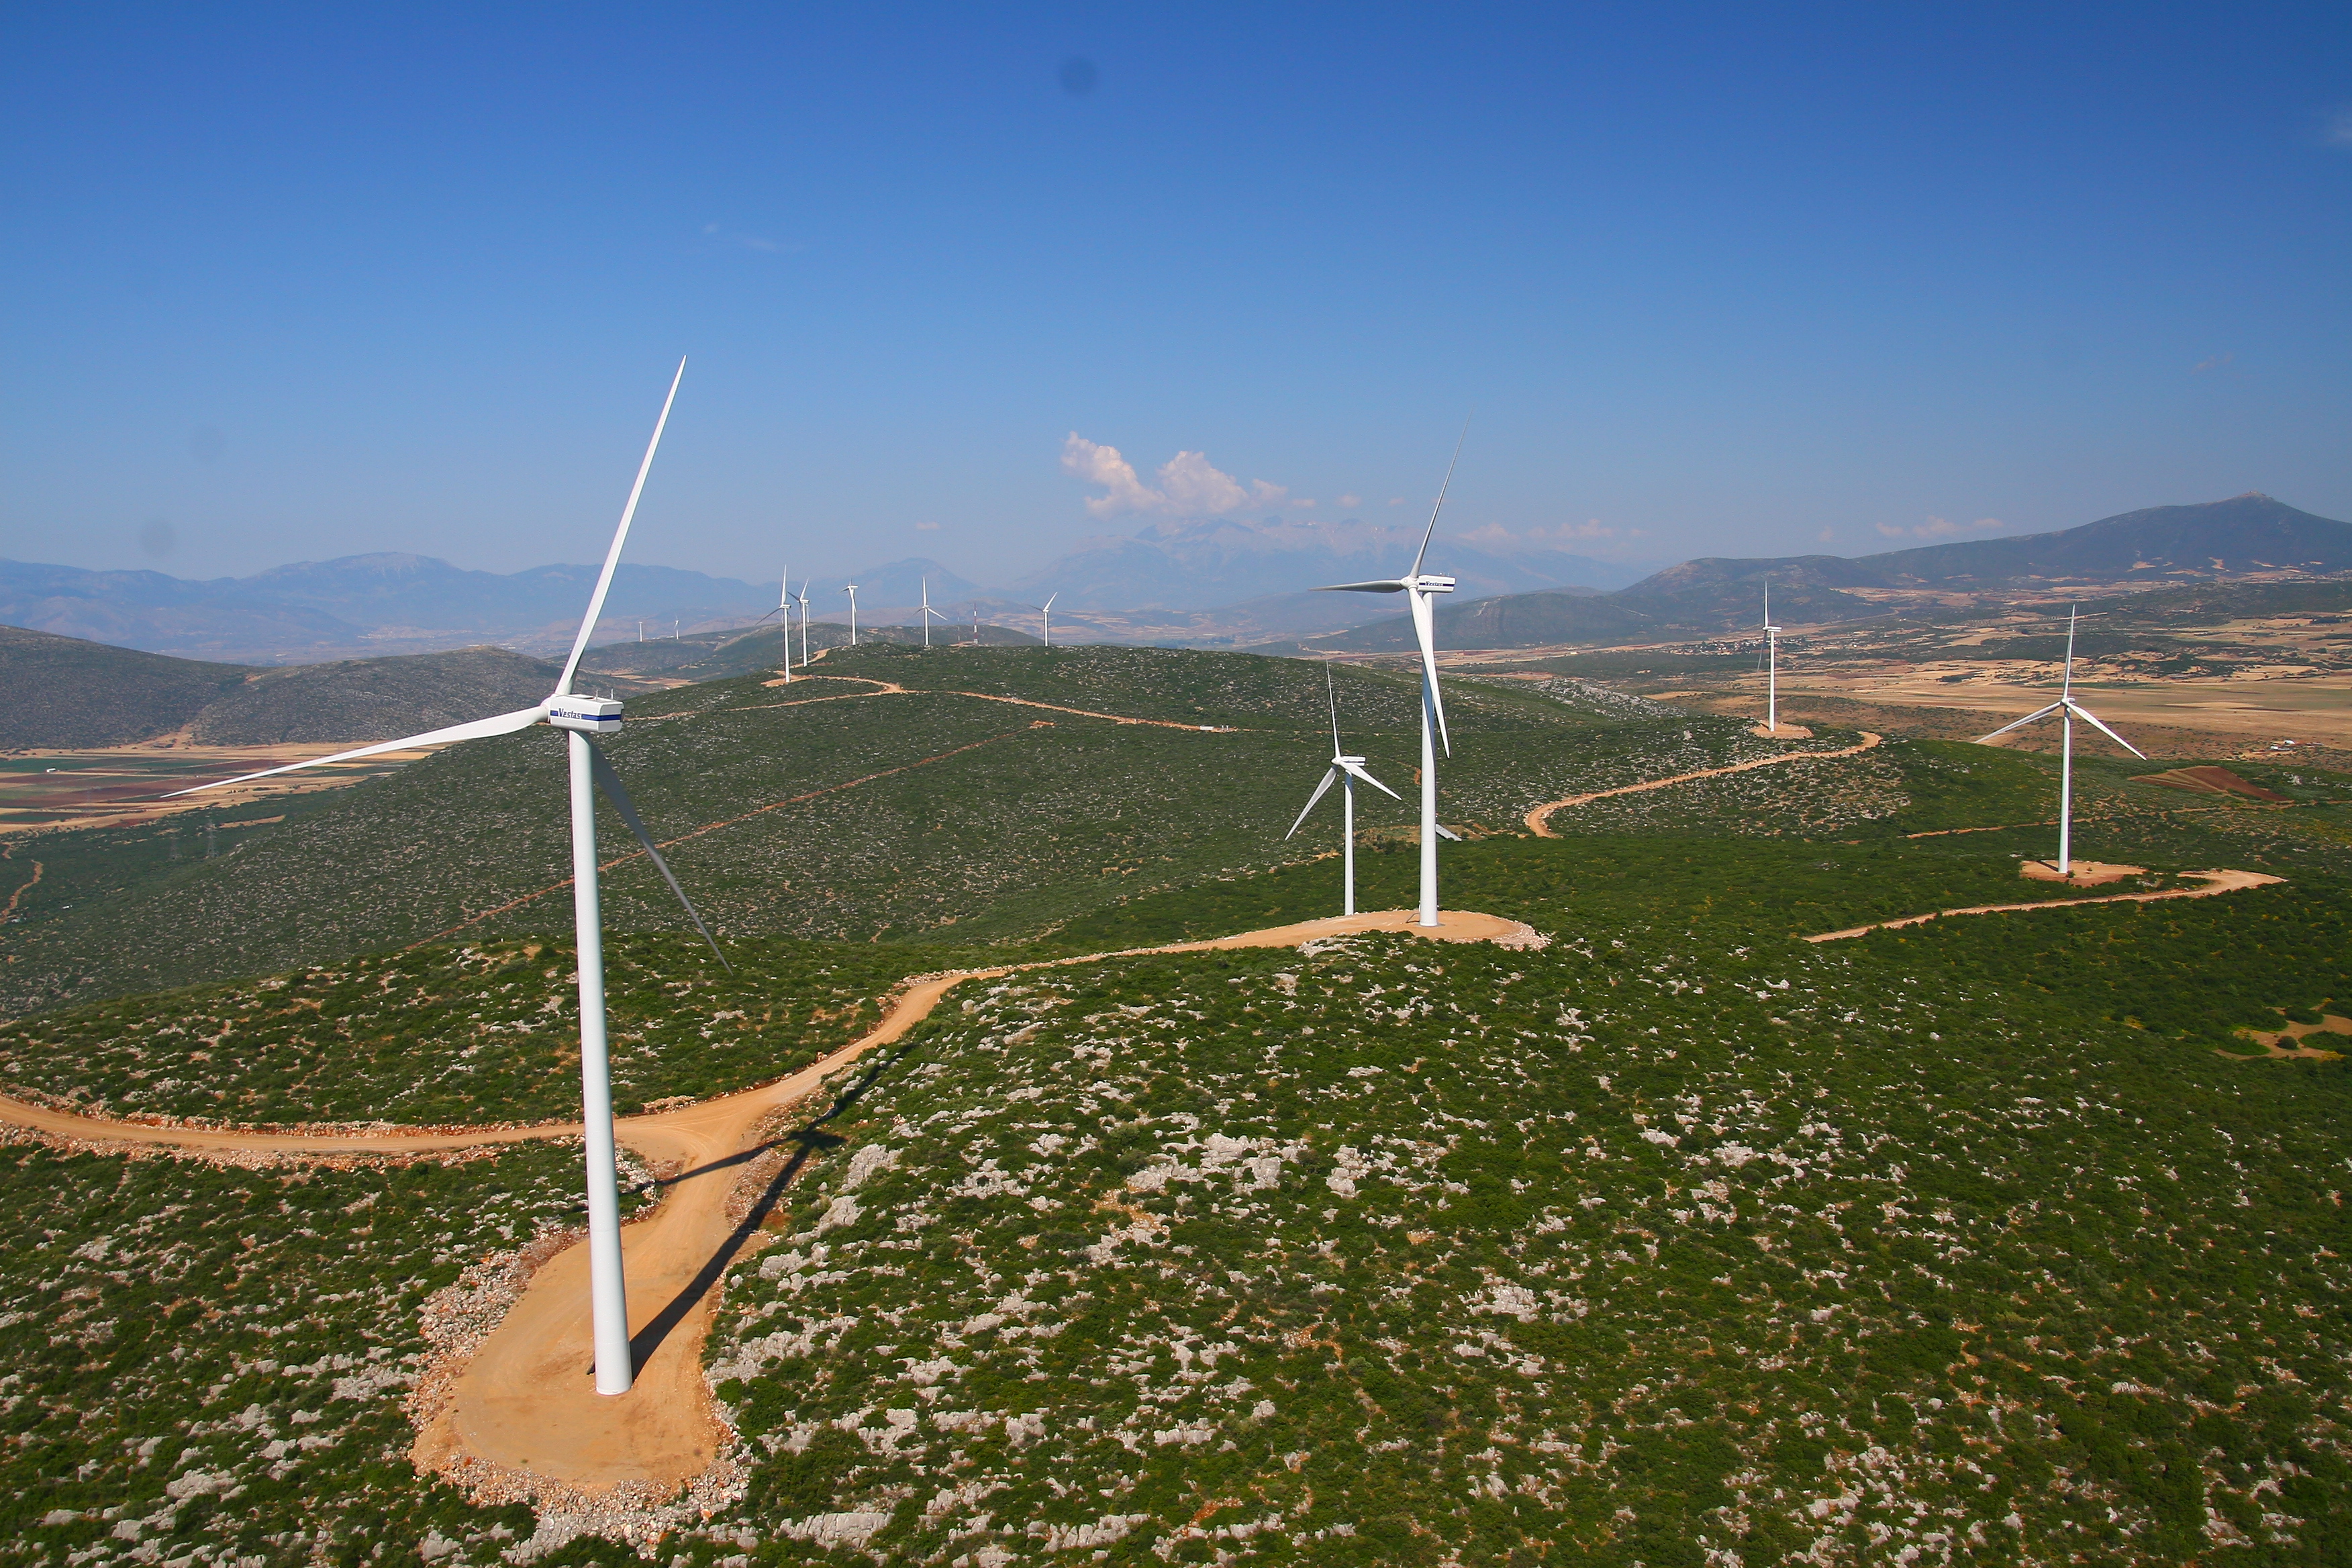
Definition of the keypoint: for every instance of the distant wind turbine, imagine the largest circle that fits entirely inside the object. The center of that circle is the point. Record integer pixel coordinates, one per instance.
(1346, 770)
(583, 717)
(1047, 610)
(1419, 588)
(801, 599)
(851, 592)
(2067, 710)
(928, 614)
(1773, 666)
(784, 608)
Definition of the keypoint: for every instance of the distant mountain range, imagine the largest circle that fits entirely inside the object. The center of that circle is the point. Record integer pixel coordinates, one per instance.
(70, 694)
(1204, 564)
(1216, 583)
(381, 604)
(1172, 581)
(2246, 537)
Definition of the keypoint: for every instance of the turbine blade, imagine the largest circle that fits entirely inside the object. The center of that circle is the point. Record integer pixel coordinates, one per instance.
(1369, 779)
(610, 782)
(1397, 587)
(1440, 499)
(2021, 723)
(1446, 832)
(1424, 628)
(1327, 776)
(474, 730)
(620, 537)
(1331, 690)
(2094, 718)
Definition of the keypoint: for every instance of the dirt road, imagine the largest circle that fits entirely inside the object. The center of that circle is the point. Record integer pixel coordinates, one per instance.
(1539, 819)
(523, 1412)
(2215, 882)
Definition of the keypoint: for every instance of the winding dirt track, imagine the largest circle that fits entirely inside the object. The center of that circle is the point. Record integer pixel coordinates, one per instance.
(2215, 882)
(1539, 819)
(524, 1410)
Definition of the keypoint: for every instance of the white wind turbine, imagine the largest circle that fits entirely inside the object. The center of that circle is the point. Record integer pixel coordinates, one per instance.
(583, 717)
(1772, 666)
(1047, 610)
(1418, 588)
(928, 614)
(801, 599)
(784, 608)
(851, 592)
(1346, 770)
(2068, 710)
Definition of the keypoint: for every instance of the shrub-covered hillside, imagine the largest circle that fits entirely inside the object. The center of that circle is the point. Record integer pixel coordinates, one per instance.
(1636, 1251)
(446, 1034)
(200, 1364)
(829, 809)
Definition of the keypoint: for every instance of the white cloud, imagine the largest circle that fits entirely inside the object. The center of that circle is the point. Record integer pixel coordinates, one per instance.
(1396, 501)
(1828, 534)
(1188, 484)
(2210, 364)
(2337, 133)
(751, 241)
(926, 528)
(1351, 501)
(1939, 527)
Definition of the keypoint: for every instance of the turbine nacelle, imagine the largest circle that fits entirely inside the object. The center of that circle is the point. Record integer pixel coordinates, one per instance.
(589, 715)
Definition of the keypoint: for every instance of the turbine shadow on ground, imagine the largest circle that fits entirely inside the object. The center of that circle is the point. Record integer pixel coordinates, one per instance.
(812, 1139)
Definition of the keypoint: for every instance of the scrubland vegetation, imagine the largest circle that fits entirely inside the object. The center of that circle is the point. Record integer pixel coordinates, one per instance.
(456, 1034)
(1631, 1251)
(207, 1365)
(1676, 1242)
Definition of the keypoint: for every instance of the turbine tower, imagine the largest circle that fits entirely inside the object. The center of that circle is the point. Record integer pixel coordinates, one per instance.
(581, 716)
(801, 598)
(784, 608)
(1346, 770)
(851, 592)
(2068, 710)
(1772, 666)
(928, 614)
(1045, 609)
(1419, 588)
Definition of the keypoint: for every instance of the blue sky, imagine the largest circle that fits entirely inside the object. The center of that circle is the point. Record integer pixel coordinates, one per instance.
(304, 281)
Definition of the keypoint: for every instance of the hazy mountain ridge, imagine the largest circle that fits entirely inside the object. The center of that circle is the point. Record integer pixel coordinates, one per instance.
(385, 602)
(1203, 564)
(75, 694)
(2246, 536)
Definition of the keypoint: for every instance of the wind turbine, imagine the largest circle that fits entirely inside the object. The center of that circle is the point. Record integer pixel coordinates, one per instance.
(1418, 588)
(851, 592)
(2067, 710)
(1346, 770)
(784, 608)
(929, 613)
(1773, 666)
(581, 716)
(801, 598)
(1047, 610)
